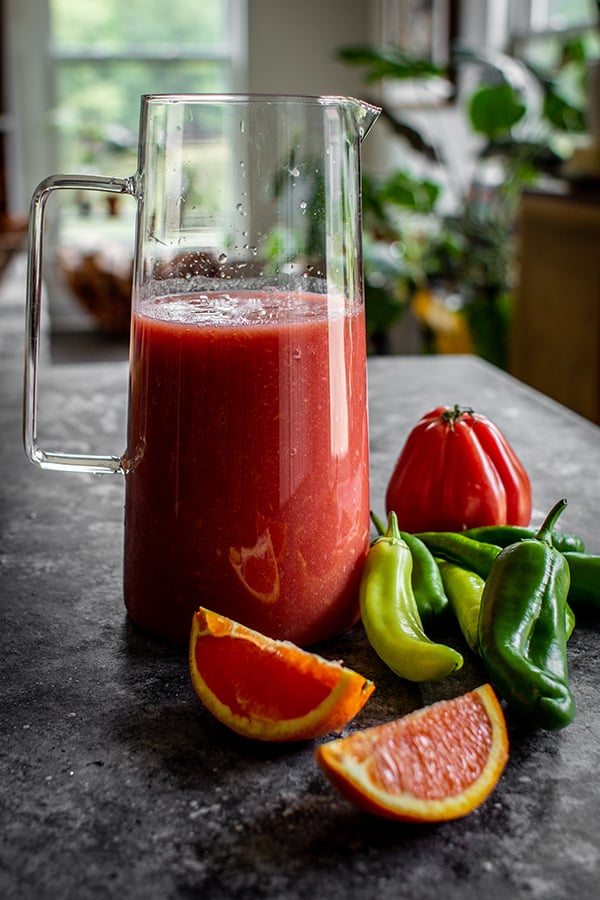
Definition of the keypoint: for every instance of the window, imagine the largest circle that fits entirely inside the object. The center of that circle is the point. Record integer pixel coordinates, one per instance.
(75, 73)
(560, 37)
(103, 55)
(546, 17)
(106, 53)
(539, 28)
(75, 70)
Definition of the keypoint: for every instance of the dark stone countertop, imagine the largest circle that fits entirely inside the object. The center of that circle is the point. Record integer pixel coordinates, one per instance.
(116, 783)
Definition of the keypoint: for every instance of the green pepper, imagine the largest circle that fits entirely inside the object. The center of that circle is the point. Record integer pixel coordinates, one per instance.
(504, 535)
(464, 590)
(522, 627)
(475, 556)
(569, 620)
(390, 614)
(584, 593)
(426, 580)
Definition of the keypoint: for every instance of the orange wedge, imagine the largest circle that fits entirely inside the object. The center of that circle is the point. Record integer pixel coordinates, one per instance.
(434, 764)
(267, 689)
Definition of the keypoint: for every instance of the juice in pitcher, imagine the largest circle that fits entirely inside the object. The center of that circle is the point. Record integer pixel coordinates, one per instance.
(247, 463)
(246, 460)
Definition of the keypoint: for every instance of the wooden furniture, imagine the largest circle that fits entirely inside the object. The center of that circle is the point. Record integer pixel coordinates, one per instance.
(556, 337)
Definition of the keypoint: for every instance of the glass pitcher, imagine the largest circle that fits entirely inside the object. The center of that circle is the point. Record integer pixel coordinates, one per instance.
(246, 466)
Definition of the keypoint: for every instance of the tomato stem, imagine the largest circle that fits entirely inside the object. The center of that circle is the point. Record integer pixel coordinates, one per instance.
(451, 416)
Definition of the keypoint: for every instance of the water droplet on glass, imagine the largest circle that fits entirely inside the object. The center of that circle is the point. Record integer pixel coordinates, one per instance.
(297, 353)
(294, 172)
(303, 206)
(222, 257)
(242, 126)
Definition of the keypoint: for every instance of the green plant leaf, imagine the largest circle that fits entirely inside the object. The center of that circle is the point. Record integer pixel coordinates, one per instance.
(562, 114)
(403, 190)
(493, 110)
(389, 62)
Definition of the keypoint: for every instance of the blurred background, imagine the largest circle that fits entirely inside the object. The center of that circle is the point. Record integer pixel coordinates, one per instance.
(481, 179)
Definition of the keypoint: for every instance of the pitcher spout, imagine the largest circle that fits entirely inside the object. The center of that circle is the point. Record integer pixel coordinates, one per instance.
(365, 115)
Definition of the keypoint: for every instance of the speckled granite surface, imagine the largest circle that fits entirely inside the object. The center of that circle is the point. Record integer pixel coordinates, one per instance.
(115, 783)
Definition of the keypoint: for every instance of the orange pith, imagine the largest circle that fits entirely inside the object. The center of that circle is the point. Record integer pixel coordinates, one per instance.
(437, 763)
(267, 689)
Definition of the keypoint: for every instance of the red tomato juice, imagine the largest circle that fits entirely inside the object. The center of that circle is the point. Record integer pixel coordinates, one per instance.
(247, 464)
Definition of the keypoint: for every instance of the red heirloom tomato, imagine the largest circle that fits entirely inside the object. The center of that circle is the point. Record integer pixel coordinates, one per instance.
(456, 471)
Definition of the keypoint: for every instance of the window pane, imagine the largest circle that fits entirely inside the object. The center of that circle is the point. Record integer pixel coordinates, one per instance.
(118, 26)
(99, 109)
(547, 15)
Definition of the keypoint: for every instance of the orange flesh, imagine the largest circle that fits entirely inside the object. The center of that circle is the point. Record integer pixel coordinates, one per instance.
(423, 761)
(238, 672)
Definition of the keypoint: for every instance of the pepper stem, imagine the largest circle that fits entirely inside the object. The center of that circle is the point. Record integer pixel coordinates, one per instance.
(379, 526)
(545, 530)
(393, 531)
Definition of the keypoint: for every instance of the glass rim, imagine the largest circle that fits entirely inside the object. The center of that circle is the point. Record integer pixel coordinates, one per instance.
(251, 97)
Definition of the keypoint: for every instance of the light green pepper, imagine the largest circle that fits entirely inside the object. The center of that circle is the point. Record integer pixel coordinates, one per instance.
(464, 590)
(391, 617)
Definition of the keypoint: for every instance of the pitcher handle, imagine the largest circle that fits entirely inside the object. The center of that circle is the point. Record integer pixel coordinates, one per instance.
(57, 460)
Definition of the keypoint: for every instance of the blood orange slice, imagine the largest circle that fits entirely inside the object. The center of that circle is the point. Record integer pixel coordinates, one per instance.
(436, 763)
(267, 689)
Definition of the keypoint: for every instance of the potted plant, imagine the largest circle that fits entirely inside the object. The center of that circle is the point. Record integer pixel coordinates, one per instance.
(453, 264)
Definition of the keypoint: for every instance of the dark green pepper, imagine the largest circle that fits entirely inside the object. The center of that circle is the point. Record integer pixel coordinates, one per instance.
(505, 535)
(475, 556)
(426, 580)
(464, 591)
(522, 627)
(584, 593)
(390, 614)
